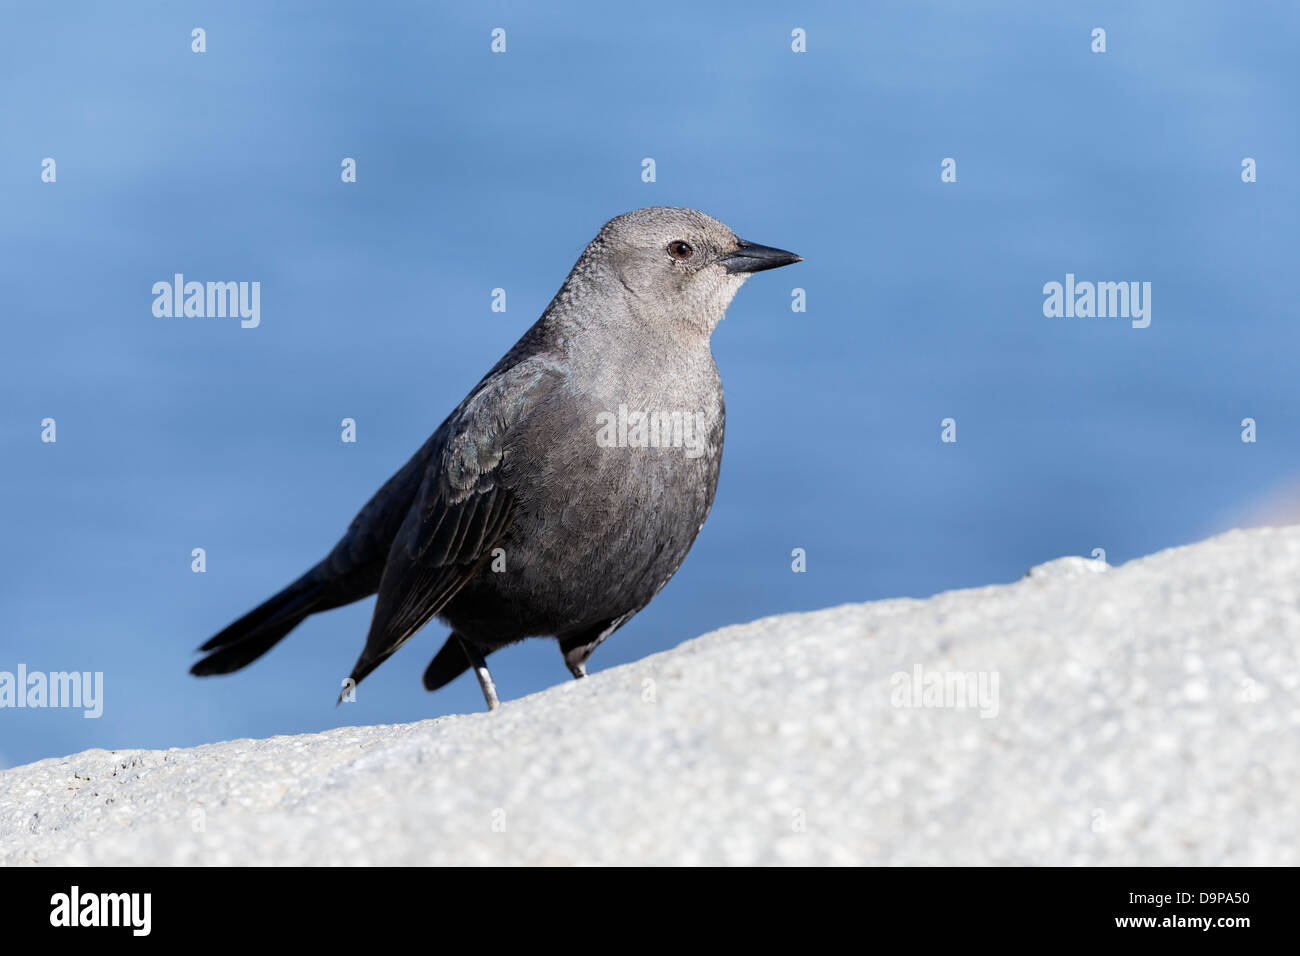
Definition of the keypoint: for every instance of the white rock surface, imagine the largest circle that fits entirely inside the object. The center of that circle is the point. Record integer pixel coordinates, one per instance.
(1144, 715)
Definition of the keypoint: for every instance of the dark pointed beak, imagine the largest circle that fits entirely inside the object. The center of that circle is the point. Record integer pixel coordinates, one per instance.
(751, 257)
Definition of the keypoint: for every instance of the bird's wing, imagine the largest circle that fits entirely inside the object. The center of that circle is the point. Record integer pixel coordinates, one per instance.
(461, 511)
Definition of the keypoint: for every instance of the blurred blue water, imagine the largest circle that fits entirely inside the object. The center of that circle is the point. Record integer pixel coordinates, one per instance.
(478, 171)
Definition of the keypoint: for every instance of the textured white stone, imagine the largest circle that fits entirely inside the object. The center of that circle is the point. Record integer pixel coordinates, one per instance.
(1146, 715)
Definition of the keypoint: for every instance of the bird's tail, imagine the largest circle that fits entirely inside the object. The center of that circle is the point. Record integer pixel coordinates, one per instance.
(262, 628)
(448, 664)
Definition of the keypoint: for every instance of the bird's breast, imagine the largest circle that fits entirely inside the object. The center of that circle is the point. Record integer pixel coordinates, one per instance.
(612, 488)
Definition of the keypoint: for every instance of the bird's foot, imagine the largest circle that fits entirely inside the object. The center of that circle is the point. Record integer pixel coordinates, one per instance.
(485, 682)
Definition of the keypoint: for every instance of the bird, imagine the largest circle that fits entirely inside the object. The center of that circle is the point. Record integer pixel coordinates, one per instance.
(565, 490)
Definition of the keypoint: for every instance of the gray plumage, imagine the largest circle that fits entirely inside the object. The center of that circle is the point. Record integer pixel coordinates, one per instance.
(514, 520)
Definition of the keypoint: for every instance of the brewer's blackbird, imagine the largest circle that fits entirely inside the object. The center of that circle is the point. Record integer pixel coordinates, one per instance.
(565, 490)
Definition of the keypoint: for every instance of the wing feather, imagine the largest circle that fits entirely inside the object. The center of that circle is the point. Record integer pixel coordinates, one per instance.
(461, 513)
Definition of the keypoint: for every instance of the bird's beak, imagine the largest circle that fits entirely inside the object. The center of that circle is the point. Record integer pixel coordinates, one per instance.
(751, 257)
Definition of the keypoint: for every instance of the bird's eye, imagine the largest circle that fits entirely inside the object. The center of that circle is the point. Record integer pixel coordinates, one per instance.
(680, 250)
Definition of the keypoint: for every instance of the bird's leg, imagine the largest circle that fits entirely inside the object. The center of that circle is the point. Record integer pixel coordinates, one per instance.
(576, 646)
(484, 676)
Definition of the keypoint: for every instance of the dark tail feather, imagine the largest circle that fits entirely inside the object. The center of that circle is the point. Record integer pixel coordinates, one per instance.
(448, 664)
(261, 628)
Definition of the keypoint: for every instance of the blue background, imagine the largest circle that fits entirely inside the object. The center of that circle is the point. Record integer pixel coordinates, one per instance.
(478, 170)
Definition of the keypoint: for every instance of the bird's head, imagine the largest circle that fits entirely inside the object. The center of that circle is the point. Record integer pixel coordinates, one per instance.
(680, 261)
